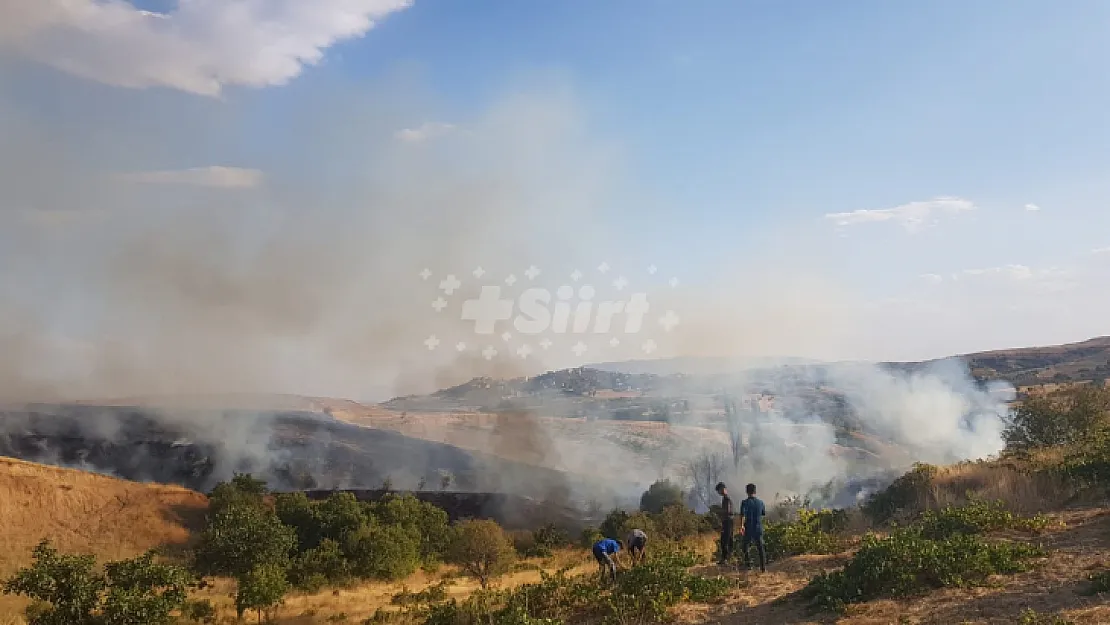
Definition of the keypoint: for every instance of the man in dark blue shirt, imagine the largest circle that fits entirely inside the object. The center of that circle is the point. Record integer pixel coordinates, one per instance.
(605, 550)
(752, 512)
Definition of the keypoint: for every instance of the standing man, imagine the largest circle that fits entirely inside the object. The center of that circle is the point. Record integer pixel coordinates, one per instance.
(605, 552)
(637, 545)
(726, 522)
(752, 512)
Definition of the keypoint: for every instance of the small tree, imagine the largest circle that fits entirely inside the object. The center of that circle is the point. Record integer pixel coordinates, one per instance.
(386, 552)
(704, 472)
(1058, 418)
(240, 538)
(143, 591)
(65, 588)
(262, 589)
(661, 494)
(482, 549)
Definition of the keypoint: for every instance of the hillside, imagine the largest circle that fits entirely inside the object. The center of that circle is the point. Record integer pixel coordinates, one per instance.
(76, 510)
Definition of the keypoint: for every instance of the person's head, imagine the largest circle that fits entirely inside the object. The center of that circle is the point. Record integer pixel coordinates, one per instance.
(750, 489)
(721, 488)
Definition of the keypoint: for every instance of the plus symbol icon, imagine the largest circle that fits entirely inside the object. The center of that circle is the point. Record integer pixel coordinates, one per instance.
(487, 310)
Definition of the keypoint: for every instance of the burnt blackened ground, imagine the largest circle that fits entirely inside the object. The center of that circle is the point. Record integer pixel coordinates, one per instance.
(290, 450)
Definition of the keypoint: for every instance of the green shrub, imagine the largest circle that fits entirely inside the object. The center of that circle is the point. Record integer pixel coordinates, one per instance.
(243, 489)
(614, 523)
(386, 552)
(66, 590)
(907, 563)
(432, 594)
(296, 511)
(676, 522)
(589, 536)
(241, 537)
(318, 567)
(814, 531)
(1099, 583)
(908, 492)
(1031, 617)
(199, 611)
(261, 589)
(977, 517)
(429, 522)
(660, 495)
(482, 549)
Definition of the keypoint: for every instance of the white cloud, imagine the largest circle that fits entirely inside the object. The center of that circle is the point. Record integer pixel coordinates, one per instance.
(932, 278)
(424, 132)
(214, 176)
(201, 47)
(1032, 208)
(1050, 278)
(912, 216)
(1099, 251)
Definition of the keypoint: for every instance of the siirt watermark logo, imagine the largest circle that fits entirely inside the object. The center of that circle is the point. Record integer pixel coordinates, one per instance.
(570, 313)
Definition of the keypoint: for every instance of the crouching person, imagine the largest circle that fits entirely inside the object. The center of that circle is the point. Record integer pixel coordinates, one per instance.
(637, 546)
(605, 552)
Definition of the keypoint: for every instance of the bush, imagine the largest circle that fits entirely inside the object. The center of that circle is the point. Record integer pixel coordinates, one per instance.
(977, 517)
(482, 549)
(261, 589)
(660, 495)
(907, 563)
(319, 567)
(589, 536)
(908, 492)
(1058, 418)
(242, 537)
(66, 590)
(428, 521)
(431, 594)
(814, 531)
(296, 511)
(677, 522)
(385, 552)
(200, 611)
(614, 524)
(243, 489)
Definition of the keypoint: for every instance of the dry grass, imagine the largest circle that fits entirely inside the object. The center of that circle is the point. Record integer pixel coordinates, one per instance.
(86, 512)
(1078, 545)
(361, 600)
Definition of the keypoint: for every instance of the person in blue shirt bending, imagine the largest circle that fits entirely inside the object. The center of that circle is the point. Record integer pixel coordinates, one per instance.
(605, 552)
(752, 512)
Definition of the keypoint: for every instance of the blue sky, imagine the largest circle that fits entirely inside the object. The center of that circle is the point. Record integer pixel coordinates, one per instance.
(937, 169)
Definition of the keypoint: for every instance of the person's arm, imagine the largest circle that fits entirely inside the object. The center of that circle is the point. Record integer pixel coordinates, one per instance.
(743, 517)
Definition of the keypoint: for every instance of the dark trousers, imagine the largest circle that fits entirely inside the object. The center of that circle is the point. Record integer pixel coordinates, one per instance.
(726, 540)
(605, 565)
(746, 543)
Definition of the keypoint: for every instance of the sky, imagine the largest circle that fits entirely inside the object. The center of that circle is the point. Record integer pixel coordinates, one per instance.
(214, 194)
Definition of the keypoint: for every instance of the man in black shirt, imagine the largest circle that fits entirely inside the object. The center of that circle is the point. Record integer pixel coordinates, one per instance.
(726, 522)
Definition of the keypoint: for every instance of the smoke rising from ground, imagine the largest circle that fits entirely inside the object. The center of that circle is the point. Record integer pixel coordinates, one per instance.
(305, 281)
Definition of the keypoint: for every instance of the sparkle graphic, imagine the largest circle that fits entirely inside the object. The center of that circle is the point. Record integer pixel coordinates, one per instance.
(648, 346)
(424, 275)
(431, 342)
(460, 346)
(450, 284)
(546, 343)
(532, 272)
(523, 351)
(479, 272)
(579, 348)
(489, 352)
(673, 282)
(669, 320)
(620, 283)
(614, 341)
(652, 269)
(439, 304)
(511, 280)
(576, 276)
(603, 267)
(506, 337)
